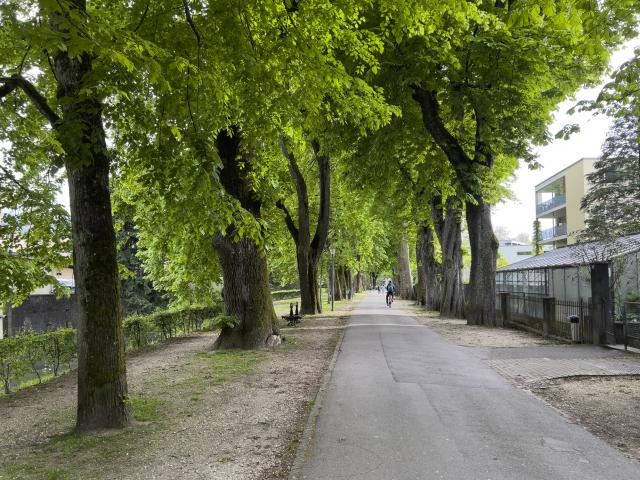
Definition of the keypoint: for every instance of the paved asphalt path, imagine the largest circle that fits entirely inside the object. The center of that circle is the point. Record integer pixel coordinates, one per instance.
(403, 403)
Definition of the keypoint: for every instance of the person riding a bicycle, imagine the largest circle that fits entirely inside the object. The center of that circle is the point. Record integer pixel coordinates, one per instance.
(391, 290)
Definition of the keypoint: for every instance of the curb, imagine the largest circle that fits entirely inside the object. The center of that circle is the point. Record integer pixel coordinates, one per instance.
(309, 429)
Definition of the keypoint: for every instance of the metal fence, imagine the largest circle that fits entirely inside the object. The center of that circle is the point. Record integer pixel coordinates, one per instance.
(546, 316)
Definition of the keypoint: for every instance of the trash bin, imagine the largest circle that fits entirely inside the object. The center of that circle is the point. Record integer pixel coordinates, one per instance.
(575, 328)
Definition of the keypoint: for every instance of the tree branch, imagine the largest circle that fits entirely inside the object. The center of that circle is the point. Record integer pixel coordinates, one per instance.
(451, 147)
(9, 84)
(322, 227)
(144, 16)
(288, 220)
(301, 192)
(24, 58)
(192, 25)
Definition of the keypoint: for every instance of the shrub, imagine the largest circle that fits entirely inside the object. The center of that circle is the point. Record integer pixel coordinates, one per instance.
(32, 351)
(143, 329)
(282, 294)
(219, 322)
(137, 329)
(60, 348)
(12, 365)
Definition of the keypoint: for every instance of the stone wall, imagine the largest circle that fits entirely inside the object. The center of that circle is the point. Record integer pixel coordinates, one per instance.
(38, 312)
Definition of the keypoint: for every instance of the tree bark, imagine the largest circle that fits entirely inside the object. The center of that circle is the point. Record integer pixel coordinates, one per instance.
(340, 283)
(308, 250)
(449, 231)
(403, 277)
(481, 304)
(428, 287)
(247, 295)
(102, 380)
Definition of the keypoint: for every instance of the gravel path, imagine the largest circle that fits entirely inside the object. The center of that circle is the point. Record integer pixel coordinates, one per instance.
(236, 428)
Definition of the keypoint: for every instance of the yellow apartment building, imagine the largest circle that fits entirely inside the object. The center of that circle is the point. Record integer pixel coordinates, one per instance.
(558, 203)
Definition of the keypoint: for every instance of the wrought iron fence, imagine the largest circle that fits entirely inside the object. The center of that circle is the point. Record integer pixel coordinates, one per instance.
(547, 316)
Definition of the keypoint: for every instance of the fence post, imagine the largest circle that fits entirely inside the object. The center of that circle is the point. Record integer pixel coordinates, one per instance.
(548, 314)
(505, 310)
(601, 298)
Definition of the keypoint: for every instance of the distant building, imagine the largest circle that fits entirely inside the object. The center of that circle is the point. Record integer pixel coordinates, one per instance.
(558, 203)
(513, 251)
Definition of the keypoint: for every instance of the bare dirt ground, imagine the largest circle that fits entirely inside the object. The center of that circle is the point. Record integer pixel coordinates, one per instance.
(200, 414)
(457, 331)
(606, 406)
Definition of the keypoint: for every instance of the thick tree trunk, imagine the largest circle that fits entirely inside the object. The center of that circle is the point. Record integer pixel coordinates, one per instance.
(247, 295)
(403, 277)
(308, 250)
(449, 231)
(481, 307)
(433, 271)
(102, 381)
(428, 287)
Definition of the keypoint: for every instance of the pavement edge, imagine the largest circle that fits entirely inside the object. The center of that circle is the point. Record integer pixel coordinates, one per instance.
(309, 430)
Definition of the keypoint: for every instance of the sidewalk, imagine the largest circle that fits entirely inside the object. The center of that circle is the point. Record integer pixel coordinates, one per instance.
(533, 364)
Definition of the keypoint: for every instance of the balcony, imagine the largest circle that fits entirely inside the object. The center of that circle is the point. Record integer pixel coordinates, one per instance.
(550, 204)
(554, 232)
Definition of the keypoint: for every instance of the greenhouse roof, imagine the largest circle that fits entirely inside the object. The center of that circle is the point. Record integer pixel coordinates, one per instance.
(581, 254)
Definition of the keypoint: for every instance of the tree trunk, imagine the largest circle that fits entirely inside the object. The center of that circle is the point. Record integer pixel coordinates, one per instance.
(449, 230)
(428, 287)
(308, 250)
(247, 295)
(102, 380)
(404, 280)
(481, 307)
(484, 247)
(433, 271)
(339, 284)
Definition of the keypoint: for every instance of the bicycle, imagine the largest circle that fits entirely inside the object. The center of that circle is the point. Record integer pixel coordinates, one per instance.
(389, 299)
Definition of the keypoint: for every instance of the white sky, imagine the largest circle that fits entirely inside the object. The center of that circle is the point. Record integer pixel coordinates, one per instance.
(517, 215)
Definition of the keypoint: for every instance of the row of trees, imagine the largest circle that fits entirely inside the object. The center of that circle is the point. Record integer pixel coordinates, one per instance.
(218, 126)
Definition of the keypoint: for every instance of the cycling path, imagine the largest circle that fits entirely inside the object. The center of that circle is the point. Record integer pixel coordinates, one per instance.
(403, 403)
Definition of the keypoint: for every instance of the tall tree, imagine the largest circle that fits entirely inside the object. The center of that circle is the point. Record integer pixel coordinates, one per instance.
(71, 55)
(487, 79)
(613, 199)
(308, 249)
(537, 238)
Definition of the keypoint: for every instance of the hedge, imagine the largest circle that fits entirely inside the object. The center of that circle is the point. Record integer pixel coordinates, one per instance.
(146, 329)
(30, 352)
(282, 294)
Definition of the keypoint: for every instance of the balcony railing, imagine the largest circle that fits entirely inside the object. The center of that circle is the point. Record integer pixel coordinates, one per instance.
(551, 203)
(553, 232)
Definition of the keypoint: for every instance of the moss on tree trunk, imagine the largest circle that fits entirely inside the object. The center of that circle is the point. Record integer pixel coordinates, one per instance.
(247, 295)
